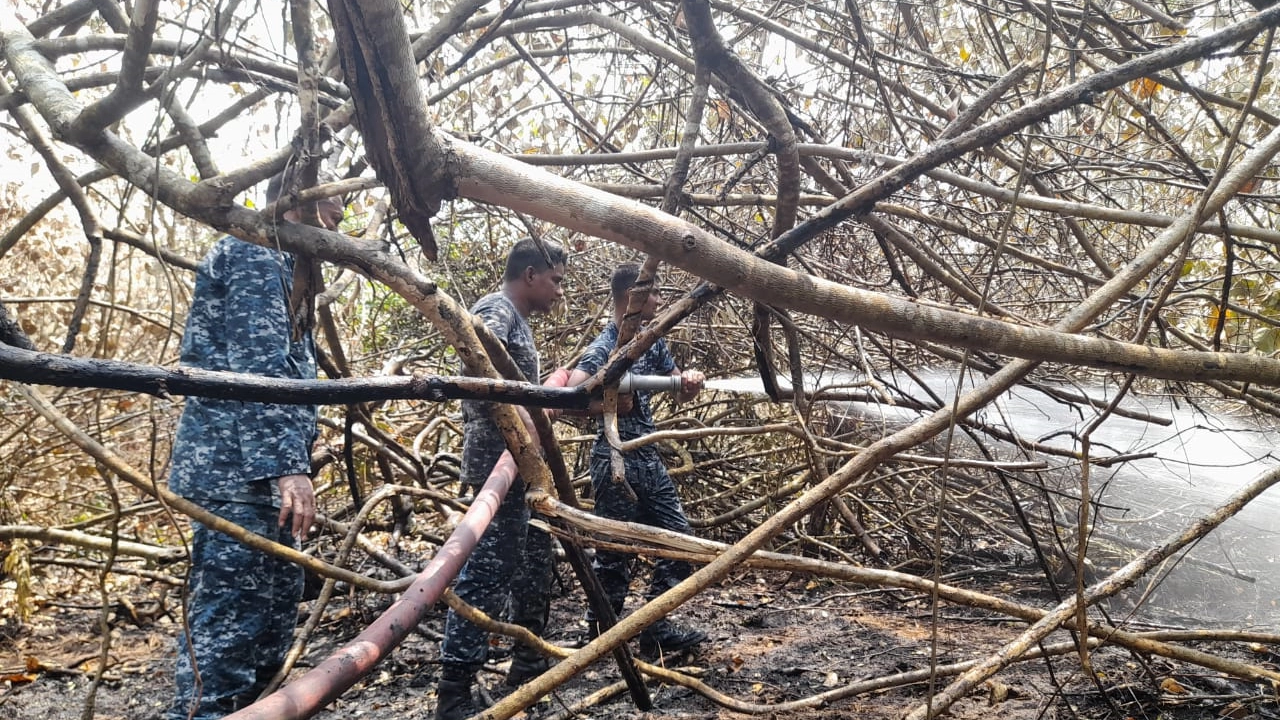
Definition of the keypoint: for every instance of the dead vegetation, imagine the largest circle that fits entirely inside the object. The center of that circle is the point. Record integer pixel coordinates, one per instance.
(1077, 202)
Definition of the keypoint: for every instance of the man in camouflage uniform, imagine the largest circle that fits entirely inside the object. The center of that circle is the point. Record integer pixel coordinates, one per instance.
(655, 501)
(246, 462)
(511, 562)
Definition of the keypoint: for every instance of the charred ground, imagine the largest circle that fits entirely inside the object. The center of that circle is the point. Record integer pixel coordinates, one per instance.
(774, 638)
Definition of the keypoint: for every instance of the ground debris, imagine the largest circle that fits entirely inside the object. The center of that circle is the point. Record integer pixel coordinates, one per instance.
(772, 640)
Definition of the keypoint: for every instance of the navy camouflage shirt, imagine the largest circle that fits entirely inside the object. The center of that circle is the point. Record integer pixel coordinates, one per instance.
(482, 442)
(240, 322)
(656, 360)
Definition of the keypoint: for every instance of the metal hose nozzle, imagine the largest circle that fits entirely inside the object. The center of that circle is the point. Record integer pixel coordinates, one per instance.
(650, 383)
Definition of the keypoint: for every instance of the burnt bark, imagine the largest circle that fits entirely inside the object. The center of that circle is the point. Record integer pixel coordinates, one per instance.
(29, 366)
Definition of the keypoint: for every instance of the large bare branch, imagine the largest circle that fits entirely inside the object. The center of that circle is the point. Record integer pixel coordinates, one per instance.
(409, 159)
(710, 50)
(67, 371)
(128, 92)
(501, 181)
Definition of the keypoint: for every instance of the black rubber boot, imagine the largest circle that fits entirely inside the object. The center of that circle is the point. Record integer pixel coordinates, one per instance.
(526, 664)
(262, 678)
(593, 626)
(666, 638)
(454, 699)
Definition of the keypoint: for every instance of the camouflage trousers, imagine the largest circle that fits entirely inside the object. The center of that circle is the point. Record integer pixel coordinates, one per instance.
(656, 503)
(509, 569)
(242, 606)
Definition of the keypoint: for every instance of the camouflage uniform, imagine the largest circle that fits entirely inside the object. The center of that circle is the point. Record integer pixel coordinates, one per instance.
(511, 562)
(657, 503)
(227, 455)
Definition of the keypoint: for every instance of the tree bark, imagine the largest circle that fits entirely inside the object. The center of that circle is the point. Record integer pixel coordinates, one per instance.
(91, 542)
(67, 371)
(379, 68)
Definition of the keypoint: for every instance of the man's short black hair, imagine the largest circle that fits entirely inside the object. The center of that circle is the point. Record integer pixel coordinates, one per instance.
(529, 253)
(623, 279)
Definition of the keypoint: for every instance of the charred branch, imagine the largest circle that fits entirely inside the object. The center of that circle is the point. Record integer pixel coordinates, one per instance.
(61, 370)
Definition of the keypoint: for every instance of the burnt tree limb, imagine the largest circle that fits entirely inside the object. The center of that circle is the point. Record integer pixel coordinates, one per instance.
(41, 368)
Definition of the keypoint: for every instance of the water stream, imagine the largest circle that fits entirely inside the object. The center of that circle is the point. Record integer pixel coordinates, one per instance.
(1196, 461)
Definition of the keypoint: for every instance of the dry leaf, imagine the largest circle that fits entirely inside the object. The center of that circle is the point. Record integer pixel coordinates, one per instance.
(1236, 711)
(1170, 685)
